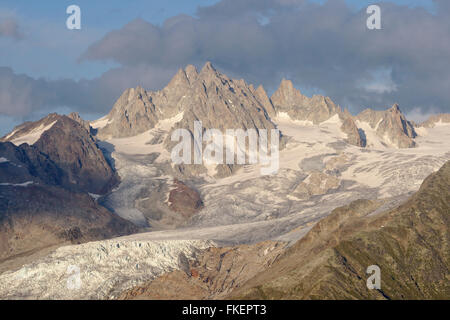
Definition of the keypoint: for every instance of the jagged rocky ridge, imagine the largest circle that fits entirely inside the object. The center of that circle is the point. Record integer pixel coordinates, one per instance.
(223, 103)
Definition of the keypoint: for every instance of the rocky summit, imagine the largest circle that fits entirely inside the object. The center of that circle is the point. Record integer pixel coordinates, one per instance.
(209, 96)
(390, 125)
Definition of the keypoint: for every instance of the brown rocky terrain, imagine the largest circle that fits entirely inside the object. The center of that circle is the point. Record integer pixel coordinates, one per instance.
(316, 109)
(71, 146)
(431, 122)
(184, 200)
(26, 163)
(391, 124)
(35, 217)
(44, 187)
(410, 244)
(300, 107)
(213, 274)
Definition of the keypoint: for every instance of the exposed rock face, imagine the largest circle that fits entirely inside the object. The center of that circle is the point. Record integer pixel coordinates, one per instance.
(29, 132)
(68, 144)
(212, 275)
(133, 113)
(317, 109)
(36, 216)
(208, 96)
(409, 244)
(439, 118)
(76, 117)
(264, 99)
(39, 201)
(222, 103)
(27, 164)
(317, 183)
(299, 107)
(390, 125)
(184, 200)
(354, 136)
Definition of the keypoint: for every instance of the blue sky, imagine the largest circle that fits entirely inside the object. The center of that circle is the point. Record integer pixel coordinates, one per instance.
(44, 71)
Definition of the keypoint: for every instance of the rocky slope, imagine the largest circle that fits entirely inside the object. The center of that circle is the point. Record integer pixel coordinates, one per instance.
(390, 125)
(408, 243)
(75, 151)
(44, 184)
(316, 110)
(213, 274)
(34, 217)
(207, 96)
(436, 119)
(70, 146)
(184, 200)
(299, 107)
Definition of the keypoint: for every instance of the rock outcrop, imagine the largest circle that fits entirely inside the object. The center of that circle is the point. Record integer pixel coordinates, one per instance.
(213, 274)
(44, 186)
(75, 151)
(435, 119)
(69, 145)
(184, 200)
(317, 109)
(26, 164)
(391, 126)
(299, 107)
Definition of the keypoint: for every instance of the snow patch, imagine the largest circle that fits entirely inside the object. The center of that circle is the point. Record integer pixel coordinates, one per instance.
(24, 184)
(32, 136)
(100, 123)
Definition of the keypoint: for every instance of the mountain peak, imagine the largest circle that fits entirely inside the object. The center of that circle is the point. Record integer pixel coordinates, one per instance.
(286, 94)
(191, 72)
(392, 124)
(208, 69)
(286, 84)
(180, 79)
(395, 108)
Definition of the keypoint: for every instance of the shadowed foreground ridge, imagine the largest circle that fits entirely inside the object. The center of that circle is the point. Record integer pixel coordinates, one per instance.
(409, 244)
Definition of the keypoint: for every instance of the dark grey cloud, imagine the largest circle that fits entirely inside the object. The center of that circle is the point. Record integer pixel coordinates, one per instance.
(23, 96)
(325, 48)
(10, 28)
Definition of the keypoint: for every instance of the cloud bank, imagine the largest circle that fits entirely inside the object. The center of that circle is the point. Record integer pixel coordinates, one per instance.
(325, 48)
